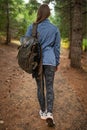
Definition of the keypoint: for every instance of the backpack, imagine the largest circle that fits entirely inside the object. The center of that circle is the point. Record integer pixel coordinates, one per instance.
(29, 52)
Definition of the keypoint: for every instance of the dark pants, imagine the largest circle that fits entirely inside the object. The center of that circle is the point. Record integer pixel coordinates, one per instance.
(46, 102)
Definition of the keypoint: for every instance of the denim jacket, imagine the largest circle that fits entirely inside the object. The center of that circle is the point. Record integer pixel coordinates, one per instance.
(49, 38)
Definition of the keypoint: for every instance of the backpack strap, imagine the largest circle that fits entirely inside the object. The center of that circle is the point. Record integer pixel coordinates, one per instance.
(40, 68)
(34, 30)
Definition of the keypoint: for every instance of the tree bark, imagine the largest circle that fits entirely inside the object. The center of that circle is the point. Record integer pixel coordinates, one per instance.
(70, 30)
(8, 37)
(76, 43)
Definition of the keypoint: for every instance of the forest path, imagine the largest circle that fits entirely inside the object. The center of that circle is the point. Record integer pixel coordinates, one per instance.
(18, 99)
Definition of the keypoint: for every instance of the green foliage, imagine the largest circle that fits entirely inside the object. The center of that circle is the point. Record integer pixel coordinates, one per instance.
(84, 45)
(62, 15)
(21, 15)
(2, 14)
(65, 43)
(32, 6)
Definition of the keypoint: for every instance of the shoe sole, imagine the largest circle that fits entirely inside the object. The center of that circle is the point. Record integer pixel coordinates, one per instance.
(43, 118)
(50, 122)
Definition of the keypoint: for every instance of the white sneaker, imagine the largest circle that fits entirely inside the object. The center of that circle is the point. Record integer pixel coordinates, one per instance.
(50, 120)
(42, 115)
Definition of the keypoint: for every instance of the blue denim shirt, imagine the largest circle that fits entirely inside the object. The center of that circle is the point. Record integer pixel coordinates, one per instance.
(49, 38)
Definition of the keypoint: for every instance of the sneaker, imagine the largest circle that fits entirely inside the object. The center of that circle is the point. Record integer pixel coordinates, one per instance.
(42, 115)
(50, 120)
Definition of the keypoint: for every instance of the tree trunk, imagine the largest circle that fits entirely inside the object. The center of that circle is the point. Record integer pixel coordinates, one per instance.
(70, 30)
(76, 44)
(8, 36)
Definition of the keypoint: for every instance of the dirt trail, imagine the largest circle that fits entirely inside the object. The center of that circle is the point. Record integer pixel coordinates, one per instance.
(18, 100)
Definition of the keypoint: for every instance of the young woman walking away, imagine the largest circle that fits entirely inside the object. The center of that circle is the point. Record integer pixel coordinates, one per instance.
(49, 39)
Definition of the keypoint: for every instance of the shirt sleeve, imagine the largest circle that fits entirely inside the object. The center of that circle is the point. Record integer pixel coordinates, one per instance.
(57, 47)
(29, 31)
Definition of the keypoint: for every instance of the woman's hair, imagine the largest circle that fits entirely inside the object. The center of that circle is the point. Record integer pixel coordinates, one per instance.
(43, 13)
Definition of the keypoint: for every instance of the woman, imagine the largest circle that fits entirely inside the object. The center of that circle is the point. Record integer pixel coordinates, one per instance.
(49, 39)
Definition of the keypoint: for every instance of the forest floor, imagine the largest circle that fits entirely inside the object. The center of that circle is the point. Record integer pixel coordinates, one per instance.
(19, 108)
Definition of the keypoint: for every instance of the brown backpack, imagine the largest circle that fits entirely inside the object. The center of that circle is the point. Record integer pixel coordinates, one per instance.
(29, 53)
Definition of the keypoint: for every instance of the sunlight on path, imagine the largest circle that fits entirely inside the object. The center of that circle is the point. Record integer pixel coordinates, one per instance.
(16, 42)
